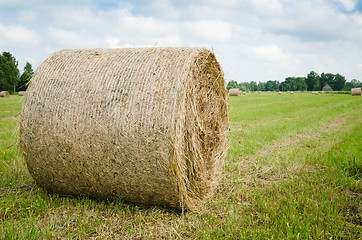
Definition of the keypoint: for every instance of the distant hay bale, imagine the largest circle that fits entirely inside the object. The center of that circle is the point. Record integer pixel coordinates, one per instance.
(21, 93)
(315, 93)
(147, 125)
(234, 92)
(259, 92)
(280, 93)
(4, 94)
(356, 92)
(327, 88)
(291, 92)
(244, 93)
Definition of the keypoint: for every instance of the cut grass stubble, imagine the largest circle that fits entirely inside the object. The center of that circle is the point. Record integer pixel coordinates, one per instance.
(293, 170)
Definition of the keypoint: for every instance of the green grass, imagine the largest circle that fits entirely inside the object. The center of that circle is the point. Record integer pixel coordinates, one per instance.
(293, 171)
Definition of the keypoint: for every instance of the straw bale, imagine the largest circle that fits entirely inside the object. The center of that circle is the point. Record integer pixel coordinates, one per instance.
(148, 125)
(4, 94)
(280, 93)
(356, 92)
(234, 92)
(291, 92)
(21, 93)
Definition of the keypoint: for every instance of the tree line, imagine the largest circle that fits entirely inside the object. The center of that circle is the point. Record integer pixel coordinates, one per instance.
(312, 82)
(10, 78)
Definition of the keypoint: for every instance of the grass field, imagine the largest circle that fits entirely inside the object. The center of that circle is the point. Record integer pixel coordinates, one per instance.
(293, 171)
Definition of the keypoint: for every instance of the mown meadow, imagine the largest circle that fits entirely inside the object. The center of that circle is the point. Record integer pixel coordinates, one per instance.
(293, 171)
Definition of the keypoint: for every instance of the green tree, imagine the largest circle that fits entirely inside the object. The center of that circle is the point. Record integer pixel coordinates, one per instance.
(244, 86)
(352, 84)
(284, 86)
(232, 84)
(261, 86)
(9, 72)
(339, 82)
(327, 78)
(272, 86)
(253, 86)
(311, 80)
(25, 77)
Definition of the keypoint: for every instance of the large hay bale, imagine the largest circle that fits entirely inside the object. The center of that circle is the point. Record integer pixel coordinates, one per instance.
(356, 92)
(234, 92)
(21, 93)
(148, 125)
(4, 94)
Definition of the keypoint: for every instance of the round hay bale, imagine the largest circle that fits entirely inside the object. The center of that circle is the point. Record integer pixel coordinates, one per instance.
(21, 93)
(280, 93)
(234, 92)
(356, 92)
(291, 92)
(4, 94)
(148, 125)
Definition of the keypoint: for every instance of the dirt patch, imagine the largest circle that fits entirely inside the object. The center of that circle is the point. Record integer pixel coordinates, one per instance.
(331, 126)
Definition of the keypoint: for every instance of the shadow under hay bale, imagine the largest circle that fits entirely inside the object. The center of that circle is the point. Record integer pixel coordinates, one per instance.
(4, 94)
(148, 125)
(356, 91)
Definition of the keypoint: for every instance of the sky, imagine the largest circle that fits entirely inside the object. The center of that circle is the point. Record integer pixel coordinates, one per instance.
(253, 40)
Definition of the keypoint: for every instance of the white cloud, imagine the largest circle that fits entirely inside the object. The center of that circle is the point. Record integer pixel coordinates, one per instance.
(223, 3)
(349, 5)
(16, 34)
(72, 39)
(267, 7)
(270, 52)
(112, 42)
(210, 30)
(253, 39)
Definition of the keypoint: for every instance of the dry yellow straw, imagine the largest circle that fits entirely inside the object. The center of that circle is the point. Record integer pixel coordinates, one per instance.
(148, 125)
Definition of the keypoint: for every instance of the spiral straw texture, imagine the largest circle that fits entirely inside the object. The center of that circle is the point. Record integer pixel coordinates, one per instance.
(148, 125)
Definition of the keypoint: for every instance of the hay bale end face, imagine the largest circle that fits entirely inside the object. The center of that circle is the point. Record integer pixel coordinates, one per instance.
(356, 91)
(4, 94)
(148, 125)
(234, 92)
